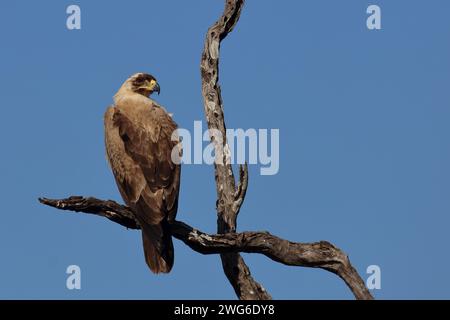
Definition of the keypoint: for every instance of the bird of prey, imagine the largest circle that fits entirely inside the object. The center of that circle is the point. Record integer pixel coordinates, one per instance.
(140, 136)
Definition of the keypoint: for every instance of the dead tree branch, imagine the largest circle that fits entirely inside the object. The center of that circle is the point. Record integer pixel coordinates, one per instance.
(321, 254)
(229, 198)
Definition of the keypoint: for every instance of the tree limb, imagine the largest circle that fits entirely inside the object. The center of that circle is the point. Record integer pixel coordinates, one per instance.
(229, 198)
(321, 254)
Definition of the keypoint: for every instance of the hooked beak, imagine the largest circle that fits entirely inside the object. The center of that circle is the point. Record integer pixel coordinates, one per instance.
(150, 87)
(156, 88)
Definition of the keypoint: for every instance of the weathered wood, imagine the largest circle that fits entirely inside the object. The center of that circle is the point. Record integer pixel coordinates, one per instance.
(321, 254)
(229, 198)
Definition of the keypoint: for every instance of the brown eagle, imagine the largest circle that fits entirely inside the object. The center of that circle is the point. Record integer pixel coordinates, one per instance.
(140, 136)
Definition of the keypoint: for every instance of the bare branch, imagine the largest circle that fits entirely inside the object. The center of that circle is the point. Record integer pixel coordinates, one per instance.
(322, 254)
(213, 106)
(228, 206)
(241, 190)
(109, 209)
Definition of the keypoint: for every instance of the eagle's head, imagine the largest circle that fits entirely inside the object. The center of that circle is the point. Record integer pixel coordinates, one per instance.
(142, 83)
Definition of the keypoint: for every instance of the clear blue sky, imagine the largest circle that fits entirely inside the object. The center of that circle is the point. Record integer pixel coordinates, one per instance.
(364, 128)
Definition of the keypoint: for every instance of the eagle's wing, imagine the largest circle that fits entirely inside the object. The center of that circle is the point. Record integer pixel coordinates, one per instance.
(139, 148)
(147, 140)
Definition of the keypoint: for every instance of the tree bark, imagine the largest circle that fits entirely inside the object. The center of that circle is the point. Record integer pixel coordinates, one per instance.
(229, 198)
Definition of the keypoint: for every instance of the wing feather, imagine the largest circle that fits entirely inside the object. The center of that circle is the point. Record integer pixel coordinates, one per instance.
(145, 132)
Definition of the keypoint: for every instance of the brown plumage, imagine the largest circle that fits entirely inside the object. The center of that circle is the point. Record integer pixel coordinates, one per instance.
(138, 138)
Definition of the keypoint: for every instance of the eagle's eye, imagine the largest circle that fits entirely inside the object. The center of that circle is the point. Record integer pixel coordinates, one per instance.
(139, 80)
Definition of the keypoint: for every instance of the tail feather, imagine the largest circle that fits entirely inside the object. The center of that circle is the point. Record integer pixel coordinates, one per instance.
(158, 248)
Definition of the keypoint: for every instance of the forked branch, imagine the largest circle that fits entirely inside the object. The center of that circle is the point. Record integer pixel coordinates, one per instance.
(229, 197)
